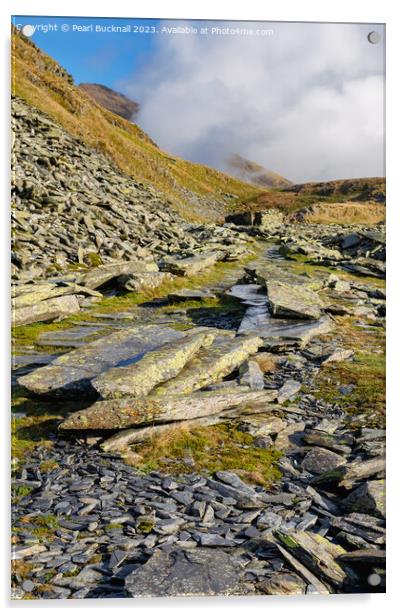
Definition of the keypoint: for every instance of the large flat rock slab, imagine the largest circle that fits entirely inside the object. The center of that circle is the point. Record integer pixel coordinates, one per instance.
(278, 333)
(47, 310)
(289, 296)
(211, 364)
(191, 265)
(292, 301)
(98, 276)
(127, 412)
(155, 367)
(72, 372)
(203, 571)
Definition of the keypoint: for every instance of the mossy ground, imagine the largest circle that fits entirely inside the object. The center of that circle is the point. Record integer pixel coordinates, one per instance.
(365, 371)
(40, 422)
(211, 448)
(27, 335)
(299, 265)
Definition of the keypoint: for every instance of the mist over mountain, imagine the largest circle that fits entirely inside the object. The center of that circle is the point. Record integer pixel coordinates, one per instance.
(307, 101)
(252, 172)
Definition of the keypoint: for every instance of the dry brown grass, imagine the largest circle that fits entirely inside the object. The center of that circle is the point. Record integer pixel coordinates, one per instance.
(210, 448)
(343, 213)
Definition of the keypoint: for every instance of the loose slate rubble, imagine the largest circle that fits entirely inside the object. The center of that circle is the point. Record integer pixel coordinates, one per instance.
(72, 206)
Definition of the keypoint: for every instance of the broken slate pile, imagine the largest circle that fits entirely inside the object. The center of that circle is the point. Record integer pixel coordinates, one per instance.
(82, 228)
(354, 248)
(117, 533)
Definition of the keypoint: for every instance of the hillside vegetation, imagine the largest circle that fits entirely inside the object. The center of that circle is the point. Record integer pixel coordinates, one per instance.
(358, 200)
(198, 192)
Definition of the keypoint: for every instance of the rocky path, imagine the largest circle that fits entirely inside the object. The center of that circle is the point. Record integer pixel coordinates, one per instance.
(89, 519)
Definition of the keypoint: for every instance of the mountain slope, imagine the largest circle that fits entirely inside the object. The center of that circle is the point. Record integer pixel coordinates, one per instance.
(196, 191)
(249, 171)
(110, 99)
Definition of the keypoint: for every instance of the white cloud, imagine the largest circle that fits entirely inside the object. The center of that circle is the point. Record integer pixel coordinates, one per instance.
(306, 102)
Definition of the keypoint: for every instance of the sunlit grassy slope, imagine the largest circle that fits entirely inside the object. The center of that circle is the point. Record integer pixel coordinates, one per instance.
(38, 79)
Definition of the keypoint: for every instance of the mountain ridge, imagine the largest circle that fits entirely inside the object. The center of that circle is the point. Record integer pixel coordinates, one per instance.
(253, 172)
(114, 101)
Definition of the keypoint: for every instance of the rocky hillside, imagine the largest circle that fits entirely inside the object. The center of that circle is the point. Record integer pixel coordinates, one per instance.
(196, 191)
(113, 101)
(71, 206)
(252, 172)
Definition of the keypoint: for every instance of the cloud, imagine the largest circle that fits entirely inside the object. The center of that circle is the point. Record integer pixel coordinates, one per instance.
(306, 102)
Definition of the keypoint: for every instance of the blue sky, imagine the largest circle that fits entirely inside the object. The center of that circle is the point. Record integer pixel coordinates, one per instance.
(95, 57)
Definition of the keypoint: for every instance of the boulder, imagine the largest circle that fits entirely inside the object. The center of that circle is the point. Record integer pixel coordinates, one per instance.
(33, 294)
(128, 412)
(319, 460)
(251, 374)
(47, 310)
(317, 553)
(369, 498)
(98, 276)
(289, 439)
(143, 281)
(288, 390)
(211, 364)
(155, 367)
(293, 301)
(191, 266)
(281, 334)
(204, 571)
(350, 475)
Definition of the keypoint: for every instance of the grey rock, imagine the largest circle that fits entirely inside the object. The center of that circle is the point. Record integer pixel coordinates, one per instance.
(288, 390)
(184, 573)
(27, 586)
(251, 375)
(48, 310)
(72, 372)
(369, 497)
(319, 460)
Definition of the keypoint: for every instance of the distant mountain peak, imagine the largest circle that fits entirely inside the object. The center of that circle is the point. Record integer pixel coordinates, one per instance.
(110, 99)
(252, 172)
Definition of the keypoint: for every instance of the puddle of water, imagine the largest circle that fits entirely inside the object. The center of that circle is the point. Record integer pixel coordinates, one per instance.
(130, 360)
